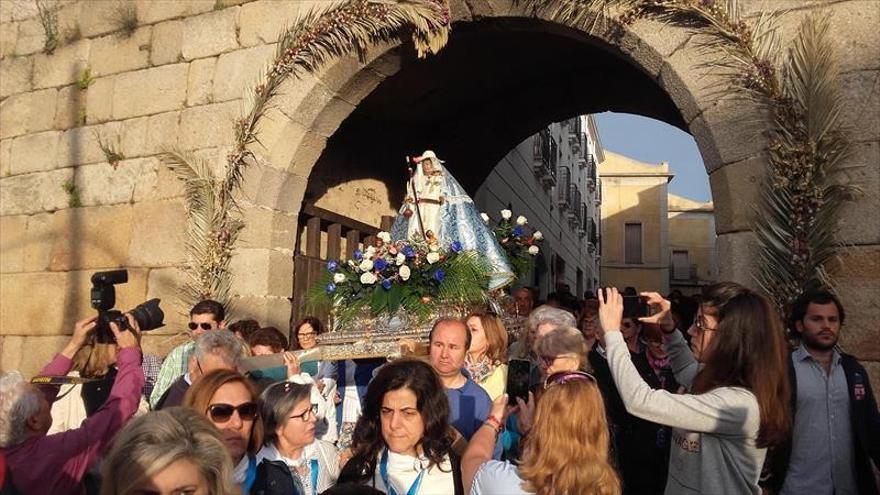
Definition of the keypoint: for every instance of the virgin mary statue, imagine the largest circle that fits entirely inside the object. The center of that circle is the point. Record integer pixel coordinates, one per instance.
(437, 209)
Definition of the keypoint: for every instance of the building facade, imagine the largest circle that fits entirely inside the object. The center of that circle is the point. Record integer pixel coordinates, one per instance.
(634, 235)
(551, 179)
(691, 244)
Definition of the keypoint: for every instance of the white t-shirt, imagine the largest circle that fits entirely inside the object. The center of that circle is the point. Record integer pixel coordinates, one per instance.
(403, 471)
(497, 477)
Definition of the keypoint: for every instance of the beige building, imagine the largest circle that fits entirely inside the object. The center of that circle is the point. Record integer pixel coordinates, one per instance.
(550, 178)
(635, 245)
(691, 244)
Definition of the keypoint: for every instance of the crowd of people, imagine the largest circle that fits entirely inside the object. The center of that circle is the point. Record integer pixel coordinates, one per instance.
(695, 395)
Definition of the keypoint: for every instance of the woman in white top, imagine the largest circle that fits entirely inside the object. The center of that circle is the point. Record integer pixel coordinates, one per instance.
(739, 401)
(566, 451)
(402, 441)
(292, 460)
(486, 359)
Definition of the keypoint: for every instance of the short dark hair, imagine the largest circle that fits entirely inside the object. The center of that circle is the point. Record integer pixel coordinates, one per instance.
(316, 324)
(244, 327)
(209, 307)
(815, 296)
(269, 336)
(449, 319)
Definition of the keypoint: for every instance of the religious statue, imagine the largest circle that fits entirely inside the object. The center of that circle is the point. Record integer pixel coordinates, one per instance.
(439, 211)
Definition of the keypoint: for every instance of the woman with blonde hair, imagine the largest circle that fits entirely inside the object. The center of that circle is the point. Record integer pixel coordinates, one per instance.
(171, 451)
(487, 357)
(229, 401)
(566, 452)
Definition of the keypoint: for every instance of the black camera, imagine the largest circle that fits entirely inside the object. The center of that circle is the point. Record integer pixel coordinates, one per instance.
(149, 315)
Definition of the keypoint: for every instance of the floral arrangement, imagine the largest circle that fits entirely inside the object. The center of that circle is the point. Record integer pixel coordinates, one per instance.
(410, 276)
(520, 246)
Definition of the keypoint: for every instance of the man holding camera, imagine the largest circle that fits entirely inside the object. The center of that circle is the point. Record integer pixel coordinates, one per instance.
(57, 463)
(205, 316)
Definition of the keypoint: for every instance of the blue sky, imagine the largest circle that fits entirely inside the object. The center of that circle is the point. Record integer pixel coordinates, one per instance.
(653, 141)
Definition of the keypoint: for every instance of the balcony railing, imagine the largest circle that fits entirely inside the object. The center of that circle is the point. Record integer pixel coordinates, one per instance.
(574, 211)
(564, 184)
(544, 158)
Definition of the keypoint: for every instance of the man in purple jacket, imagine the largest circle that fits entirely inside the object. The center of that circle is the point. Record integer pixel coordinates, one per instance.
(57, 463)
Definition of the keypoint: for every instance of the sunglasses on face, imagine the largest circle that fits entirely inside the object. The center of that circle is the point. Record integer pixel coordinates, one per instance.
(194, 325)
(221, 413)
(567, 376)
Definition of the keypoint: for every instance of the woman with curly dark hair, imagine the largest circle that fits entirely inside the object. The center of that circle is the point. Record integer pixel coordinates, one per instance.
(402, 441)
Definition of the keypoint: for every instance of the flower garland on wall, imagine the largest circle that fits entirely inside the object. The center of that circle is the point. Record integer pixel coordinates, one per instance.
(214, 220)
(801, 198)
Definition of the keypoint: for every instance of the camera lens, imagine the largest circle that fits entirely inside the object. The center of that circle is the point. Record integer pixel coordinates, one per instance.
(148, 315)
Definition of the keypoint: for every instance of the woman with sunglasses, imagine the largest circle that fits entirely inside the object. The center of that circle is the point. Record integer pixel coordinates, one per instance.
(229, 400)
(566, 453)
(739, 400)
(402, 442)
(292, 460)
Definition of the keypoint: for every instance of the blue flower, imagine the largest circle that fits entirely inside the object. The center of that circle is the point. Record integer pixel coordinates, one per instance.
(332, 265)
(408, 251)
(379, 264)
(439, 275)
(331, 288)
(386, 284)
(358, 255)
(518, 231)
(455, 246)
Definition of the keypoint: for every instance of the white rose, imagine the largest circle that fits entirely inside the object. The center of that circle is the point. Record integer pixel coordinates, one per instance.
(521, 220)
(368, 278)
(433, 257)
(533, 250)
(538, 235)
(506, 214)
(370, 252)
(401, 259)
(434, 248)
(484, 217)
(366, 265)
(338, 278)
(385, 236)
(404, 272)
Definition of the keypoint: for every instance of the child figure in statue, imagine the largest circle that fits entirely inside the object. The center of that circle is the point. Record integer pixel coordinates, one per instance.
(438, 210)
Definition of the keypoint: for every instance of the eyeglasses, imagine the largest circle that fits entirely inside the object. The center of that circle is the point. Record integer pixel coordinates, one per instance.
(205, 326)
(700, 323)
(567, 376)
(313, 411)
(307, 335)
(221, 413)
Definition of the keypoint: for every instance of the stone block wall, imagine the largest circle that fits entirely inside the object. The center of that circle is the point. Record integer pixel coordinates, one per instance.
(176, 81)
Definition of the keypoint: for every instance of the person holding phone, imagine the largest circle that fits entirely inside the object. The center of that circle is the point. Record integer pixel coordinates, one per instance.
(739, 400)
(567, 453)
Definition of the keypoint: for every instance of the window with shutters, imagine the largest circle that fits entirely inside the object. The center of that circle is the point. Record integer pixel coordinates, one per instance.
(681, 268)
(632, 250)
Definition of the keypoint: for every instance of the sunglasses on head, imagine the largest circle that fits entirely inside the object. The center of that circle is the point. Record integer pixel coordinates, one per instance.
(567, 376)
(221, 413)
(205, 326)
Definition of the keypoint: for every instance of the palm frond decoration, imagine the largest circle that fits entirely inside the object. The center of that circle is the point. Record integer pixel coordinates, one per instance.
(211, 231)
(802, 198)
(214, 220)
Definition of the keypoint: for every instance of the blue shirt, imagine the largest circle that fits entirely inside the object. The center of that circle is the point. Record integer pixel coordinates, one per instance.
(469, 407)
(822, 444)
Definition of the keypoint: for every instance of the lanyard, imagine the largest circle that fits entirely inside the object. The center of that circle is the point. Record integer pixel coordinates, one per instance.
(314, 468)
(251, 475)
(383, 471)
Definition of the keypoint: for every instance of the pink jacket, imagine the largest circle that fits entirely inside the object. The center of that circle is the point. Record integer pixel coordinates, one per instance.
(57, 463)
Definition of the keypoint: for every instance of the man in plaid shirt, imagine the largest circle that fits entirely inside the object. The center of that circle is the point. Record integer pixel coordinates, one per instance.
(205, 316)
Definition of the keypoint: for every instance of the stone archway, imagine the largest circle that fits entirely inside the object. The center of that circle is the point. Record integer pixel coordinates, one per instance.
(664, 67)
(658, 66)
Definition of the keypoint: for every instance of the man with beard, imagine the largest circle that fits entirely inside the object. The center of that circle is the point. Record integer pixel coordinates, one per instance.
(836, 426)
